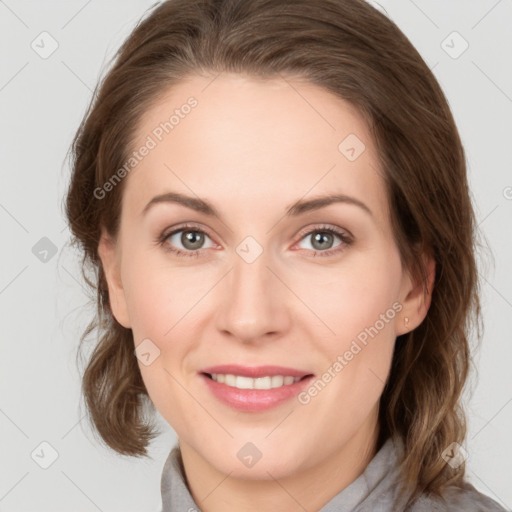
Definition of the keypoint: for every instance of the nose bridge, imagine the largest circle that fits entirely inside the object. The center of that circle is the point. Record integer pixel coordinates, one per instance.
(253, 304)
(250, 278)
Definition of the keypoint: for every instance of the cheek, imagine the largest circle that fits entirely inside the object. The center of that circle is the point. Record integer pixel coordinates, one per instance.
(158, 296)
(148, 303)
(164, 306)
(160, 303)
(358, 300)
(359, 304)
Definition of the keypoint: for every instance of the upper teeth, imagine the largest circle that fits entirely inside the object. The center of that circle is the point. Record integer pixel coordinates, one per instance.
(268, 382)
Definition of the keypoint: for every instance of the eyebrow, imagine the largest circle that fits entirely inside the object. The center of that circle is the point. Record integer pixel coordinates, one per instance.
(298, 208)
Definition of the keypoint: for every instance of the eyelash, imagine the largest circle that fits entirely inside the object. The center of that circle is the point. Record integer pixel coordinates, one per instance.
(345, 239)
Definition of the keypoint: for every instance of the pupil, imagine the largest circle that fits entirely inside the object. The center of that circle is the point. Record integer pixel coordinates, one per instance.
(191, 239)
(319, 237)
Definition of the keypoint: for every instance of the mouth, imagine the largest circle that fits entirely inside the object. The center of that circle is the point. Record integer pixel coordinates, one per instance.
(254, 389)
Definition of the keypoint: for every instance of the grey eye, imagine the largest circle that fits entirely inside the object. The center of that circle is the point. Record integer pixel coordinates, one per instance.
(190, 239)
(321, 240)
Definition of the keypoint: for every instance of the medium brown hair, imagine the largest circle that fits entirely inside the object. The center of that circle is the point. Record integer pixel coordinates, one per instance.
(352, 50)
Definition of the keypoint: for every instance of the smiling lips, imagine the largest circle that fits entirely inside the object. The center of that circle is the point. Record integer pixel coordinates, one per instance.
(254, 389)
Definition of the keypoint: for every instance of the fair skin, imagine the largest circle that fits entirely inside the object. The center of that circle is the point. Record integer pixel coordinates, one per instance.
(252, 148)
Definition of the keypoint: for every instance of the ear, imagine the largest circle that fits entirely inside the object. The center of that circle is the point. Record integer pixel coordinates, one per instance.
(416, 302)
(109, 255)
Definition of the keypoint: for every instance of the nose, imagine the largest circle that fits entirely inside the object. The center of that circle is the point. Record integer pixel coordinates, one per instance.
(253, 302)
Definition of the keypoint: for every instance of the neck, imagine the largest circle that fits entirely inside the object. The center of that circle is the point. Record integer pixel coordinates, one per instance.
(309, 489)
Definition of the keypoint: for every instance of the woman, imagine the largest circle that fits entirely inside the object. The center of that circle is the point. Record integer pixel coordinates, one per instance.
(227, 144)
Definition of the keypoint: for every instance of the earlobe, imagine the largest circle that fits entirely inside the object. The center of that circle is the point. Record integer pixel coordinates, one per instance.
(418, 299)
(109, 259)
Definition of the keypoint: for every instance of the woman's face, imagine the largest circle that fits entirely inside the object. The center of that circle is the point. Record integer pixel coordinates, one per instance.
(269, 273)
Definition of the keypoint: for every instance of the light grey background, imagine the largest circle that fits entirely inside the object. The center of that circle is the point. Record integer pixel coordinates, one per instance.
(43, 304)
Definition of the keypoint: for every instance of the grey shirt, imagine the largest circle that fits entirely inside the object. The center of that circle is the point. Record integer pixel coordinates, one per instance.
(373, 491)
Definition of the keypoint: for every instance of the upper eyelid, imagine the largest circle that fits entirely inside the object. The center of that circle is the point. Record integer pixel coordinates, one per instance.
(325, 227)
(188, 227)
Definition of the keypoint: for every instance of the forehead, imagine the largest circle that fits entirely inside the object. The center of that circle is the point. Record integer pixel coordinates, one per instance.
(251, 143)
